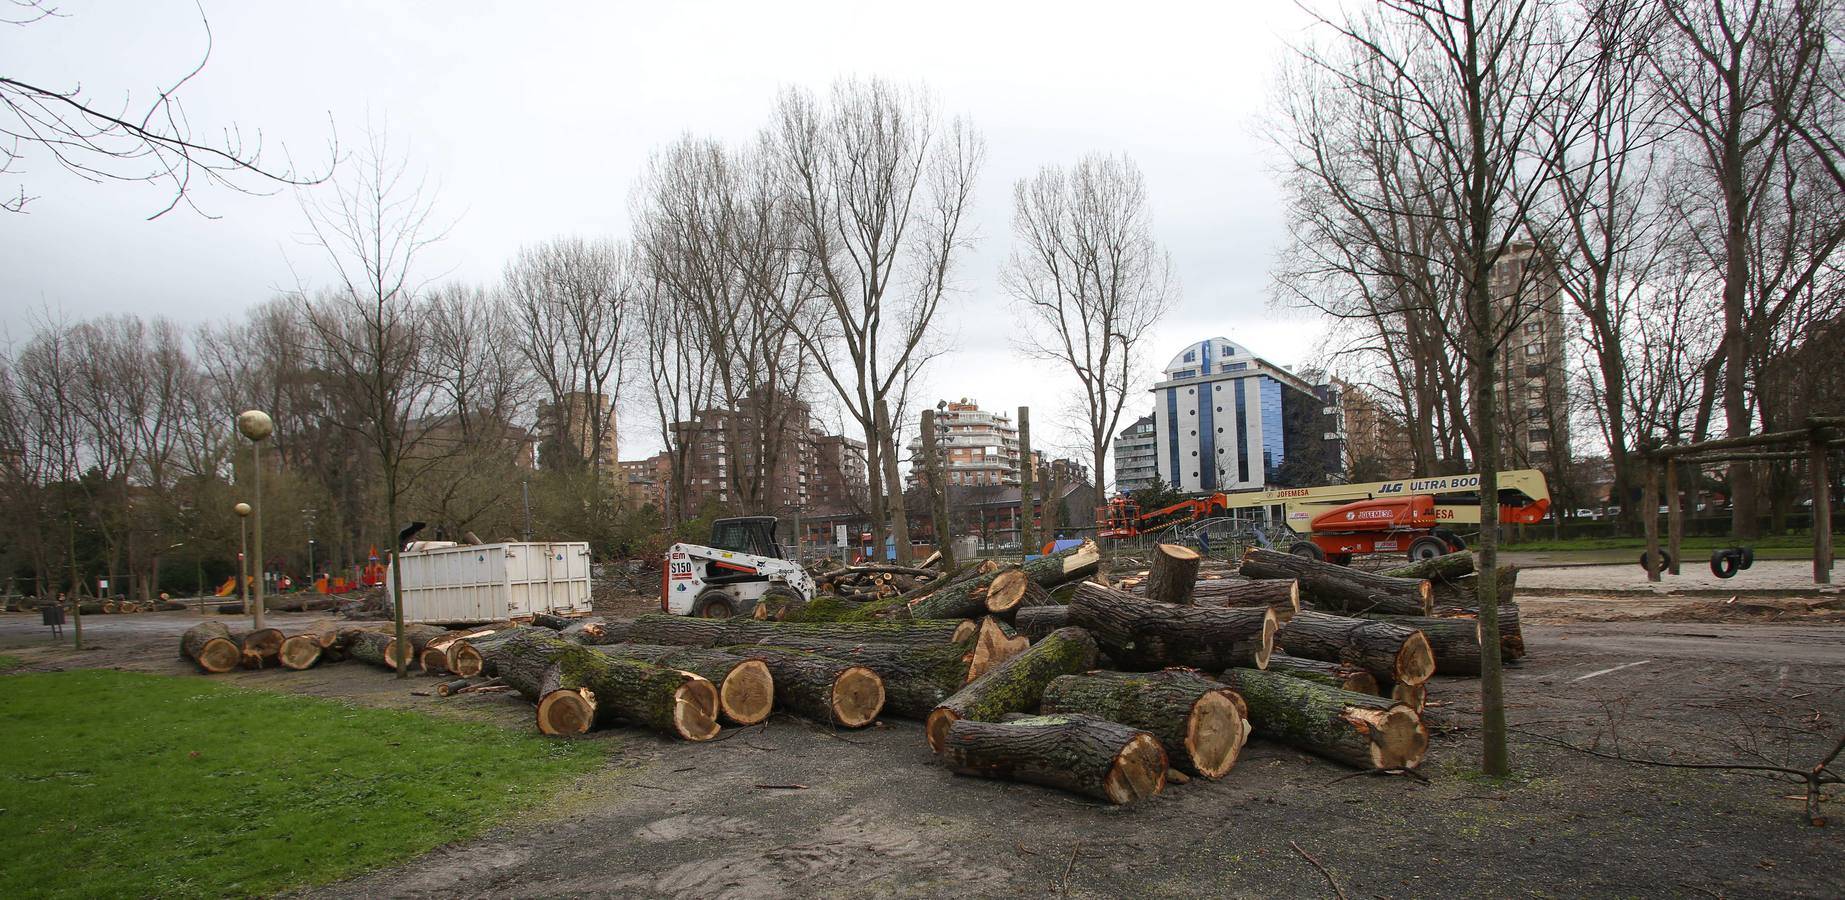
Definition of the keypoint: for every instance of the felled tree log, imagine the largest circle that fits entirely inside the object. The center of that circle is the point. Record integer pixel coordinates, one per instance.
(821, 688)
(687, 631)
(1356, 729)
(1199, 722)
(1455, 642)
(1343, 676)
(994, 643)
(1414, 696)
(259, 647)
(1446, 567)
(595, 631)
(224, 609)
(745, 687)
(1073, 752)
(301, 603)
(1511, 637)
(968, 598)
(553, 622)
(1015, 685)
(1034, 622)
(1007, 591)
(1390, 652)
(209, 645)
(1341, 588)
(1174, 572)
(1279, 594)
(370, 647)
(583, 689)
(907, 634)
(299, 652)
(1141, 635)
(916, 679)
(417, 637)
(1465, 591)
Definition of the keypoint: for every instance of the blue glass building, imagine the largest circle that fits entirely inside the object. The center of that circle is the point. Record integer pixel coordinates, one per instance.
(1226, 420)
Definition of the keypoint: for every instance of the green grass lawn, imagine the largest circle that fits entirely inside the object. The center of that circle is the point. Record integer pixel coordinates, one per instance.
(114, 784)
(8, 663)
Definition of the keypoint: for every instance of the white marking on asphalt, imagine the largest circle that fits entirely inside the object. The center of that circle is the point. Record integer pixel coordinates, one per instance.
(1615, 669)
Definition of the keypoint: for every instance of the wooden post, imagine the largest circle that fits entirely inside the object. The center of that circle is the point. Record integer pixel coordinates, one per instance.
(938, 491)
(1675, 514)
(1649, 512)
(1027, 533)
(1822, 512)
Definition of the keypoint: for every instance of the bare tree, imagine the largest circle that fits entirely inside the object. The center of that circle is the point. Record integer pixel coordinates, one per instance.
(100, 142)
(1092, 282)
(369, 336)
(878, 190)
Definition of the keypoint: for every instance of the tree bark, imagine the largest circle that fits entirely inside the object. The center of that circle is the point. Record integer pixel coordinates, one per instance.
(995, 643)
(1174, 572)
(966, 599)
(906, 634)
(1446, 567)
(1511, 637)
(259, 647)
(1343, 676)
(1340, 588)
(416, 639)
(596, 631)
(1073, 752)
(1279, 594)
(1037, 621)
(1390, 652)
(1015, 685)
(209, 645)
(745, 686)
(916, 679)
(520, 657)
(659, 628)
(583, 689)
(1141, 635)
(1465, 591)
(826, 690)
(1199, 722)
(1454, 641)
(1360, 730)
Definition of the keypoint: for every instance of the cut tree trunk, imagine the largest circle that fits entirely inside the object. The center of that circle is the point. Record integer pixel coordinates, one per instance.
(1073, 752)
(821, 688)
(370, 647)
(1007, 591)
(685, 631)
(1455, 642)
(260, 647)
(583, 689)
(448, 688)
(299, 652)
(1414, 696)
(1360, 730)
(209, 645)
(1511, 637)
(1015, 685)
(555, 623)
(995, 643)
(1390, 652)
(597, 631)
(1446, 567)
(1341, 588)
(1465, 591)
(746, 689)
(1141, 635)
(906, 634)
(1200, 722)
(968, 598)
(521, 656)
(418, 638)
(1034, 622)
(442, 655)
(1343, 676)
(1174, 572)
(1279, 594)
(916, 679)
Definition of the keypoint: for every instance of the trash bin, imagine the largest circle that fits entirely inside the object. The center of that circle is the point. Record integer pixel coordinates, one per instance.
(53, 613)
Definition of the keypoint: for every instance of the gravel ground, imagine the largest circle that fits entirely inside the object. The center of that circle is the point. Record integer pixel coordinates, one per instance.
(874, 815)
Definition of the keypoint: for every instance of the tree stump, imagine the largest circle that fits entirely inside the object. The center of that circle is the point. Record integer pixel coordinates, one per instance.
(1073, 752)
(209, 645)
(1390, 652)
(746, 689)
(1174, 572)
(1356, 729)
(1141, 635)
(1199, 722)
(1015, 685)
(1341, 588)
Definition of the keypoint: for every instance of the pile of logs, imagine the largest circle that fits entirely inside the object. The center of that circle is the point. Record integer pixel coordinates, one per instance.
(874, 581)
(1034, 672)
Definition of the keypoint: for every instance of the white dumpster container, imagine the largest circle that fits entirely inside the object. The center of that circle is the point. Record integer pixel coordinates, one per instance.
(490, 582)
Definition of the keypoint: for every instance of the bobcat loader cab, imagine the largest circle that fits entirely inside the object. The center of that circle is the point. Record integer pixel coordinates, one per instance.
(742, 565)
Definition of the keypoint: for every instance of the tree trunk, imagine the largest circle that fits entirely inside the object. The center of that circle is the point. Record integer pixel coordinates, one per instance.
(1015, 685)
(659, 628)
(904, 634)
(1007, 591)
(745, 687)
(520, 657)
(1446, 567)
(967, 598)
(826, 690)
(899, 514)
(1390, 652)
(995, 643)
(1454, 641)
(1076, 753)
(1343, 676)
(596, 631)
(260, 647)
(1199, 721)
(1174, 572)
(1037, 621)
(1340, 588)
(555, 623)
(916, 679)
(1028, 533)
(938, 490)
(1465, 591)
(417, 639)
(1279, 594)
(209, 644)
(1141, 635)
(370, 647)
(299, 652)
(1360, 730)
(1511, 637)
(583, 689)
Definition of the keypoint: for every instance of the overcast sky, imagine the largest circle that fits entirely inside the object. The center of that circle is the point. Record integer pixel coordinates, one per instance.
(535, 119)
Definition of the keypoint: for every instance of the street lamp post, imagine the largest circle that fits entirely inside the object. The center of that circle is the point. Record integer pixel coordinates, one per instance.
(256, 425)
(310, 562)
(243, 553)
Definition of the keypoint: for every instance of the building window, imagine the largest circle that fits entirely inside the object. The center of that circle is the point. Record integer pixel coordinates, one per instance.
(1233, 367)
(1540, 434)
(1534, 371)
(1534, 349)
(1533, 327)
(1191, 356)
